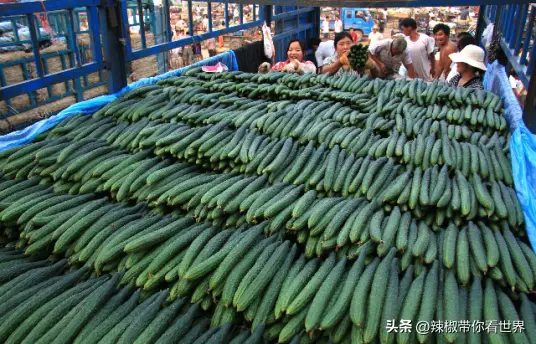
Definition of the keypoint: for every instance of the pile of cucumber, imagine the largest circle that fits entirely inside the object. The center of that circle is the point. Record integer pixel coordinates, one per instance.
(274, 207)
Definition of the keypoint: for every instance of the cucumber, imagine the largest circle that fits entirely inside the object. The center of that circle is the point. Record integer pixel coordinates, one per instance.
(377, 297)
(321, 298)
(411, 304)
(362, 290)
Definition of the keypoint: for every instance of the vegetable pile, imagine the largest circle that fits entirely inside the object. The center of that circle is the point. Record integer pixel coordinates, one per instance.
(253, 208)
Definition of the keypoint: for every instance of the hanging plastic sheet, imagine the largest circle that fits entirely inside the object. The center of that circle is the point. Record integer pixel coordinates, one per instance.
(522, 146)
(27, 134)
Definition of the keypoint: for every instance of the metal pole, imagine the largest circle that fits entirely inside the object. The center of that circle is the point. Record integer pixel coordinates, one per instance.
(529, 112)
(268, 14)
(114, 53)
(480, 23)
(498, 16)
(161, 29)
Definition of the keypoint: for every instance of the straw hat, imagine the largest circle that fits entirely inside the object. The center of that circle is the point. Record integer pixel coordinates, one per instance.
(376, 27)
(471, 55)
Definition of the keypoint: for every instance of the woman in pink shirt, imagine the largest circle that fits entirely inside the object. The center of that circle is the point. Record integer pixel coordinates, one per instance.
(295, 62)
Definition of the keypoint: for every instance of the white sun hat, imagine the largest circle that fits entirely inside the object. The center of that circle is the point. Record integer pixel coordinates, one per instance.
(472, 55)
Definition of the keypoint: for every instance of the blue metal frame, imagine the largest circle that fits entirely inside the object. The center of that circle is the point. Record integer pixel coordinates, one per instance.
(132, 55)
(517, 27)
(107, 19)
(76, 71)
(293, 23)
(58, 21)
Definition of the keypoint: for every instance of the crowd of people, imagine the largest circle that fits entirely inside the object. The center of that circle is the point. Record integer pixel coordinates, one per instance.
(191, 53)
(460, 64)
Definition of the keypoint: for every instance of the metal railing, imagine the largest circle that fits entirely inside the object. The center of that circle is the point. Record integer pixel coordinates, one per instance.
(516, 23)
(108, 50)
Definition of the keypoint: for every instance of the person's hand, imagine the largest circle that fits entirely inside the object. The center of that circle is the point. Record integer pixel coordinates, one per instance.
(383, 68)
(295, 63)
(432, 72)
(371, 65)
(344, 60)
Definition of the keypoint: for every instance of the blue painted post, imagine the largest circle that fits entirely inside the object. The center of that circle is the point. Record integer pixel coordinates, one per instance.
(94, 29)
(226, 14)
(35, 42)
(497, 20)
(142, 24)
(518, 35)
(160, 23)
(190, 18)
(114, 53)
(209, 15)
(74, 48)
(480, 23)
(529, 112)
(528, 37)
(513, 22)
(167, 21)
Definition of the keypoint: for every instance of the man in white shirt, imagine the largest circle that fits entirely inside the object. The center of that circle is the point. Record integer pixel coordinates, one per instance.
(385, 14)
(374, 36)
(420, 49)
(325, 49)
(338, 24)
(325, 27)
(205, 23)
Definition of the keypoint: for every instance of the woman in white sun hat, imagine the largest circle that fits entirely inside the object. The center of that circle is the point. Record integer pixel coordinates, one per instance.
(470, 66)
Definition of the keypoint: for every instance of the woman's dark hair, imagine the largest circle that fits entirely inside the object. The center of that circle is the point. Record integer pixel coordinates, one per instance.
(409, 22)
(342, 35)
(302, 46)
(465, 41)
(442, 27)
(460, 35)
(314, 41)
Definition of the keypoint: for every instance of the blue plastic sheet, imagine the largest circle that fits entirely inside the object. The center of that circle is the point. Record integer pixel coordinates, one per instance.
(27, 134)
(522, 146)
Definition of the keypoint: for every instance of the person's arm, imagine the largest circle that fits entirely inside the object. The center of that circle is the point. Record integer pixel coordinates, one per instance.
(379, 63)
(439, 71)
(308, 67)
(319, 58)
(332, 68)
(431, 56)
(448, 61)
(411, 70)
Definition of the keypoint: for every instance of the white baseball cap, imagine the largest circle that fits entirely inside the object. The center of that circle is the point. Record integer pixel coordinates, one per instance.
(472, 55)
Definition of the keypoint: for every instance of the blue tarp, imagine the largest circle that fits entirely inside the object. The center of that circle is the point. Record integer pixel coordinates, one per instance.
(27, 134)
(522, 146)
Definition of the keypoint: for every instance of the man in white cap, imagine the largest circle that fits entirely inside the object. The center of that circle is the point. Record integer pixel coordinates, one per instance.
(470, 66)
(375, 36)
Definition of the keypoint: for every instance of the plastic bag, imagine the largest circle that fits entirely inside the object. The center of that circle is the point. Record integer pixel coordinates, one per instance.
(269, 49)
(218, 68)
(487, 35)
(7, 26)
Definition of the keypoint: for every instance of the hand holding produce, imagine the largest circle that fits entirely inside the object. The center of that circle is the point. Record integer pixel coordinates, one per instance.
(358, 56)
